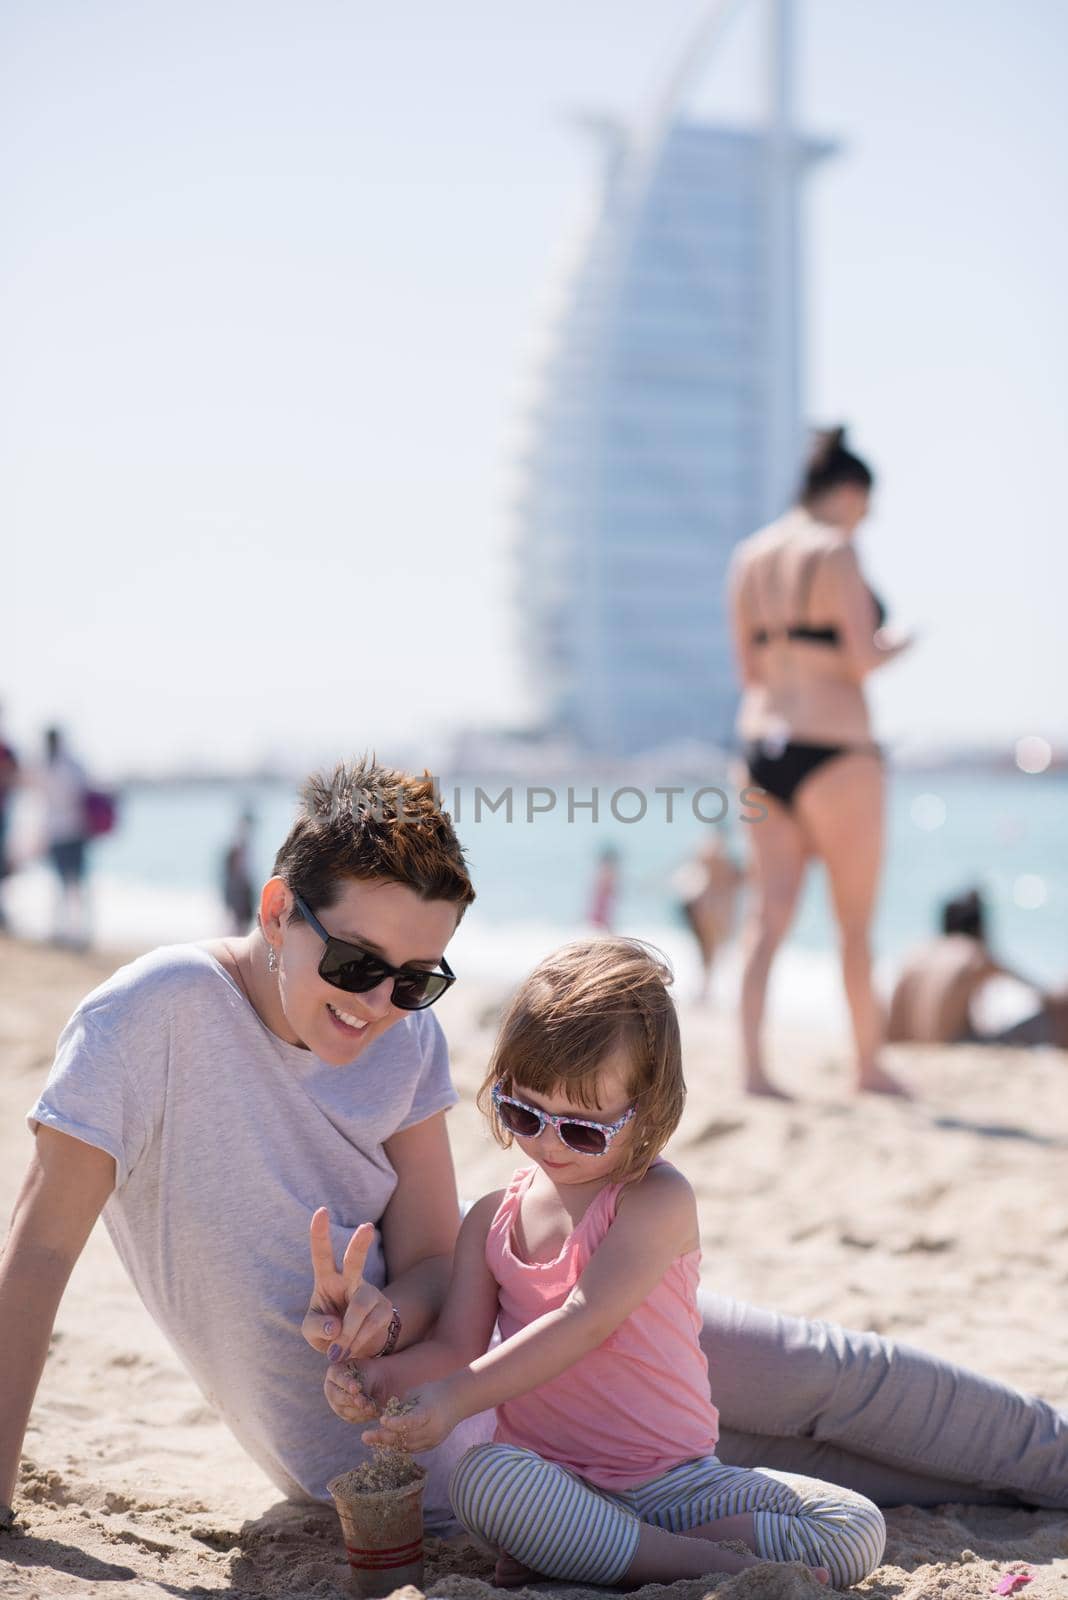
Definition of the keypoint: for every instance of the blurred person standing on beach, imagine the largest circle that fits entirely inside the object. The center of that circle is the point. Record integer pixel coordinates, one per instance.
(293, 1079)
(9, 777)
(237, 886)
(807, 631)
(63, 786)
(953, 990)
(707, 888)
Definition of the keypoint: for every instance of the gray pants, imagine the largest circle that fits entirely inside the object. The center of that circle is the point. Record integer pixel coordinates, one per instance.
(885, 1419)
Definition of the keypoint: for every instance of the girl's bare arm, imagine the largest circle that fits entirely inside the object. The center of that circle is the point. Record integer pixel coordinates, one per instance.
(656, 1222)
(463, 1331)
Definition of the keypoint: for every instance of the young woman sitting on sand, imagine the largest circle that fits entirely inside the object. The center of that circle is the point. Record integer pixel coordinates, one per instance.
(603, 1466)
(210, 1099)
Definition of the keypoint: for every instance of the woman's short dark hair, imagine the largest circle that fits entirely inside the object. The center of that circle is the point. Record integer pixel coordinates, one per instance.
(830, 465)
(368, 822)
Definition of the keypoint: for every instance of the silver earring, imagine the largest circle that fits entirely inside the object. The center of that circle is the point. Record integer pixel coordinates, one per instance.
(272, 959)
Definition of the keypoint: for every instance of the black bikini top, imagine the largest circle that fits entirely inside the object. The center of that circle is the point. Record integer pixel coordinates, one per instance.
(800, 630)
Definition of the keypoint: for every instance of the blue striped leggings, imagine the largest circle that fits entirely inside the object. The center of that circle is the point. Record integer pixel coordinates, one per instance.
(544, 1515)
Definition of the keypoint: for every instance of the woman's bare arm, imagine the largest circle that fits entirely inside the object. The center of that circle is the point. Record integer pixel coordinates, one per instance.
(420, 1225)
(61, 1197)
(349, 1316)
(863, 648)
(741, 627)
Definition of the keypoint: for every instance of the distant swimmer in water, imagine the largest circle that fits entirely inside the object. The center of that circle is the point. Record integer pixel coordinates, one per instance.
(807, 632)
(605, 892)
(238, 890)
(953, 990)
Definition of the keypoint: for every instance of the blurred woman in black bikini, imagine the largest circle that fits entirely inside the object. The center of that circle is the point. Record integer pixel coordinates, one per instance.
(807, 631)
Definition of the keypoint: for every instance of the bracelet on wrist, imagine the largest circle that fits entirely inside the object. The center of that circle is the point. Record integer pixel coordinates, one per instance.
(392, 1336)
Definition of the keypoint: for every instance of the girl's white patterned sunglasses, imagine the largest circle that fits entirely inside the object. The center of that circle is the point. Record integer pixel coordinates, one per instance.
(585, 1138)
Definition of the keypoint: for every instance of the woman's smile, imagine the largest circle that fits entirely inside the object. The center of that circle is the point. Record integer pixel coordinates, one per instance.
(349, 1024)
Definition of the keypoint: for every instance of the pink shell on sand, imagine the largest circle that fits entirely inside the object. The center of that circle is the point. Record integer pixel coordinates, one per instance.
(1011, 1582)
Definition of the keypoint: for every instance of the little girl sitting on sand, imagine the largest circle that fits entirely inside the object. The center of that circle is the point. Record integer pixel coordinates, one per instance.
(603, 1467)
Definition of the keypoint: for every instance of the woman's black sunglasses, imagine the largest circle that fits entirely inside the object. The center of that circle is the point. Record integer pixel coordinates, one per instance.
(348, 967)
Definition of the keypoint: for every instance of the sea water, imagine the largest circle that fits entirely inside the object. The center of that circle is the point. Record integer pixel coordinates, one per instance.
(157, 878)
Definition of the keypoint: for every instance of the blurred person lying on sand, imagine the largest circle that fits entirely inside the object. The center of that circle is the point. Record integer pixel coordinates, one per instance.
(602, 1467)
(953, 990)
(214, 1100)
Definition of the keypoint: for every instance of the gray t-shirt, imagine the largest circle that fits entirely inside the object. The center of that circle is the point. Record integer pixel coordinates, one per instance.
(225, 1140)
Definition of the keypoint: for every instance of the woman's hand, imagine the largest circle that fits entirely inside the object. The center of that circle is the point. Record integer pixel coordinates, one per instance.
(432, 1416)
(358, 1392)
(350, 1392)
(346, 1316)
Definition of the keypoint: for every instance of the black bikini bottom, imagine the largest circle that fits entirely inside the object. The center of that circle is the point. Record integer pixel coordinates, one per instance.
(783, 773)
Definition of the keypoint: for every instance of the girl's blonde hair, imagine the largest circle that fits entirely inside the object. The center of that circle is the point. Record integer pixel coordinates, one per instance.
(577, 1006)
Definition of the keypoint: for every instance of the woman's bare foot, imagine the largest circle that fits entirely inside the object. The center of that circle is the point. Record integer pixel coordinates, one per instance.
(757, 1083)
(511, 1574)
(874, 1079)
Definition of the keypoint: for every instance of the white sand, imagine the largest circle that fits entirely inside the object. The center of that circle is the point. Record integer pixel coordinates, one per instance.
(943, 1222)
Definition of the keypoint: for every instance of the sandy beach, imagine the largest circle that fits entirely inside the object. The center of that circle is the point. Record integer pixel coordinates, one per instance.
(942, 1222)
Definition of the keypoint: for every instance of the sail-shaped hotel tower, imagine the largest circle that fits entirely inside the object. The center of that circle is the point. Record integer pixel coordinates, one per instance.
(667, 424)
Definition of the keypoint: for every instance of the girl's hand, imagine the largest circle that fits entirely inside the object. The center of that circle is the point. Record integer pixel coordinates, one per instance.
(432, 1418)
(346, 1316)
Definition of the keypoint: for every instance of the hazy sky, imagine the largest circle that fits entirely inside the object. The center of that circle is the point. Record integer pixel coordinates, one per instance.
(273, 280)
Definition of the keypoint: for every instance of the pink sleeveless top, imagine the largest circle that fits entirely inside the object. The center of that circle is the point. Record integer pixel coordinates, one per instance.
(638, 1404)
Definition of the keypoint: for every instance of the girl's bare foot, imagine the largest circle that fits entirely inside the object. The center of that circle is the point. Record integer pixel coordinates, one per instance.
(717, 1557)
(724, 1558)
(732, 1540)
(511, 1574)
